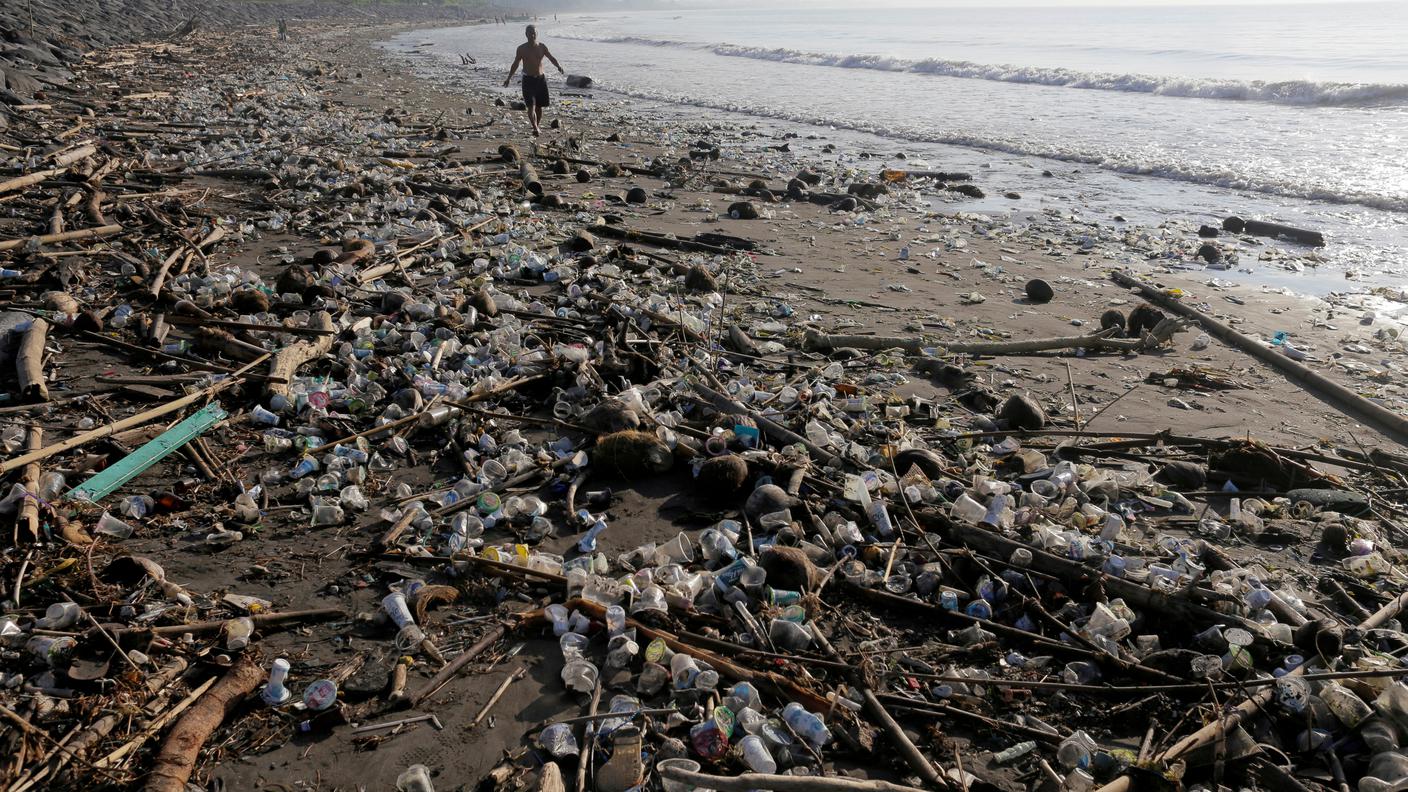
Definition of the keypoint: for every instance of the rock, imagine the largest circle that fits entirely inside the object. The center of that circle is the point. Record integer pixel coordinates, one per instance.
(1012, 196)
(560, 167)
(636, 195)
(1021, 411)
(743, 210)
(1039, 291)
(970, 190)
(1234, 224)
(1208, 232)
(614, 137)
(1209, 252)
(583, 175)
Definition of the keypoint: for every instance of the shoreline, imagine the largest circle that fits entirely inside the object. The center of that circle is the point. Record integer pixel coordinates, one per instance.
(290, 148)
(1364, 241)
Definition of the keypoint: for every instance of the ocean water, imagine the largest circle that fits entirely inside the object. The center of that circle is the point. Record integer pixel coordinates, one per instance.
(1290, 112)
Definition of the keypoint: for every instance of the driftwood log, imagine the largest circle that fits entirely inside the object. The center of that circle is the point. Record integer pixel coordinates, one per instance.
(29, 362)
(29, 507)
(287, 360)
(781, 783)
(1389, 423)
(67, 236)
(914, 345)
(529, 177)
(177, 758)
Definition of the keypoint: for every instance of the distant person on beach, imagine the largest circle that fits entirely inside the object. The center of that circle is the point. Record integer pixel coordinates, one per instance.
(535, 83)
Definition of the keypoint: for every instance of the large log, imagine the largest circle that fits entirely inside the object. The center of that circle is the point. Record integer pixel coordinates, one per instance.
(29, 362)
(1385, 421)
(177, 758)
(529, 177)
(287, 360)
(1301, 235)
(67, 236)
(915, 345)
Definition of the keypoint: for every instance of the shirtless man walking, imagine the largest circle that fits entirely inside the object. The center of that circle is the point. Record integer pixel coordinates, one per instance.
(535, 83)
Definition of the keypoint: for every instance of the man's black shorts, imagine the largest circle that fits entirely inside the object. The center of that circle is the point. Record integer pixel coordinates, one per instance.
(535, 90)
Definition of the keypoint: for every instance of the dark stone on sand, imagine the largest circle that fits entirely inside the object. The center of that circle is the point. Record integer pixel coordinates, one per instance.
(970, 190)
(614, 137)
(1021, 411)
(560, 167)
(583, 175)
(636, 195)
(1145, 317)
(1111, 318)
(1012, 196)
(1039, 291)
(743, 210)
(1209, 252)
(1234, 224)
(1208, 232)
(556, 124)
(1047, 174)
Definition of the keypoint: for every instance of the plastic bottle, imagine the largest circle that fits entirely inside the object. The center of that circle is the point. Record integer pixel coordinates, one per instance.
(238, 632)
(275, 692)
(1075, 751)
(808, 726)
(1347, 707)
(1014, 753)
(757, 756)
(415, 778)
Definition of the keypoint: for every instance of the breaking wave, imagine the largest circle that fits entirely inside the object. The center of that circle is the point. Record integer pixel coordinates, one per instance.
(1289, 92)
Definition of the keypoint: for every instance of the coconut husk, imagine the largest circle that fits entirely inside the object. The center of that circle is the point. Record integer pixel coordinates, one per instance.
(250, 301)
(632, 454)
(789, 568)
(767, 499)
(1145, 317)
(930, 462)
(722, 476)
(611, 415)
(426, 596)
(699, 279)
(1021, 411)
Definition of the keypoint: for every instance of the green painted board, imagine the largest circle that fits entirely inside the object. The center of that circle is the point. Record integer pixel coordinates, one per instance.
(131, 466)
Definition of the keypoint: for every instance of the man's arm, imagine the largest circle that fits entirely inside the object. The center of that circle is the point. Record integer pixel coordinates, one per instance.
(554, 60)
(511, 69)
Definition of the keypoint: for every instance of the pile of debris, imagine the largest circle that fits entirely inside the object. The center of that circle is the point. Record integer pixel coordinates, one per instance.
(464, 386)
